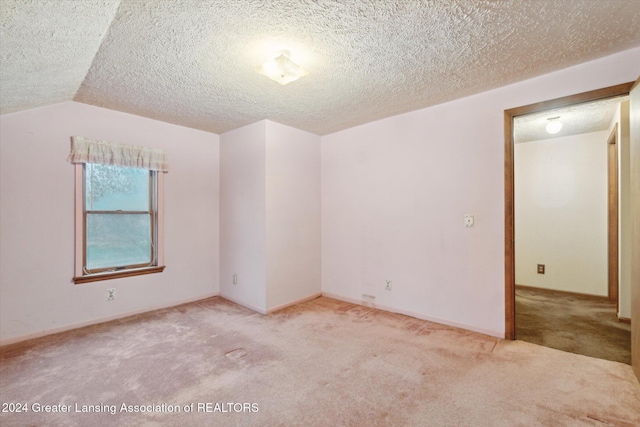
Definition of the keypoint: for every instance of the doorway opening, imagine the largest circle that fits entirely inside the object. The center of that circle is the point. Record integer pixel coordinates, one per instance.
(555, 197)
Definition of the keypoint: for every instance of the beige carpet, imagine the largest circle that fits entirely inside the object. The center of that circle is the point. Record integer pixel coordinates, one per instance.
(321, 363)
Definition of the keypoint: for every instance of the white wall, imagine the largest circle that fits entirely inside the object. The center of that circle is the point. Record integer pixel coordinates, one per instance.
(395, 191)
(624, 199)
(561, 213)
(270, 215)
(37, 294)
(292, 214)
(242, 215)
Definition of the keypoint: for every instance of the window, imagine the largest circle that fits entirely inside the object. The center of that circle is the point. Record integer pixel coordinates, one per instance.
(118, 212)
(119, 218)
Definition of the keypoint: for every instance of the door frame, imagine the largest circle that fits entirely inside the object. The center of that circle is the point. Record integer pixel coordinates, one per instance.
(612, 216)
(509, 187)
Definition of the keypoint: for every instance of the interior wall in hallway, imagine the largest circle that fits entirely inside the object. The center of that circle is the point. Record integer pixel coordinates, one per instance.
(561, 213)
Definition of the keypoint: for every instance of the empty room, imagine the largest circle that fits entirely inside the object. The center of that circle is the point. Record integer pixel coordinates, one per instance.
(309, 212)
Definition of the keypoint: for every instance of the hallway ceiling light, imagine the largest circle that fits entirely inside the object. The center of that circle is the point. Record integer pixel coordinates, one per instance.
(554, 125)
(282, 69)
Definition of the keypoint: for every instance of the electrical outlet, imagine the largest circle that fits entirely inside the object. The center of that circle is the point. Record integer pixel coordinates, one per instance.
(468, 220)
(540, 268)
(111, 294)
(235, 278)
(388, 285)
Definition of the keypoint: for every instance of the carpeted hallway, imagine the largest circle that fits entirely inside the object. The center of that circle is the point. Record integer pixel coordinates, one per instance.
(575, 323)
(320, 363)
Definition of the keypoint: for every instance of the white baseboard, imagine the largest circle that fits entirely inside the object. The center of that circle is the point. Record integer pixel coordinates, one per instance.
(298, 301)
(244, 304)
(497, 334)
(421, 316)
(52, 331)
(270, 310)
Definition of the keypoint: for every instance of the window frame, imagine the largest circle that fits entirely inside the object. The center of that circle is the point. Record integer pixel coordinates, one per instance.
(156, 194)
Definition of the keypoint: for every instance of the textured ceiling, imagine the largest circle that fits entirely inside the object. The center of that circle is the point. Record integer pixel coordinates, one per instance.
(576, 119)
(46, 48)
(192, 62)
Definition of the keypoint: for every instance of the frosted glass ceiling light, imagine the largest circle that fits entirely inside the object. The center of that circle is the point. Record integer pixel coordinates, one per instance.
(554, 125)
(282, 69)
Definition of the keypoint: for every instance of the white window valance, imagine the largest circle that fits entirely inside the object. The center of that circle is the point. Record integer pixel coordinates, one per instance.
(85, 150)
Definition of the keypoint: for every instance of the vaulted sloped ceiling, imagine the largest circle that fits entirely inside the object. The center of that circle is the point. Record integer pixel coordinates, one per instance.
(192, 62)
(47, 47)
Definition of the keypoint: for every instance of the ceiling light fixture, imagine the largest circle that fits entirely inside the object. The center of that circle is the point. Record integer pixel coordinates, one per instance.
(282, 69)
(554, 125)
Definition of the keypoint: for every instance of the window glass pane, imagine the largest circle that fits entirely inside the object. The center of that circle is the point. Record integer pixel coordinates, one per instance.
(116, 188)
(116, 240)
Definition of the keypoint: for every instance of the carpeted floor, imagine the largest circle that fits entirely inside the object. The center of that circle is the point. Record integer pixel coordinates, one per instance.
(575, 323)
(320, 363)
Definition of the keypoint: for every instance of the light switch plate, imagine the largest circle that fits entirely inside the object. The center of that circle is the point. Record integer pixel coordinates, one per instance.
(468, 220)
